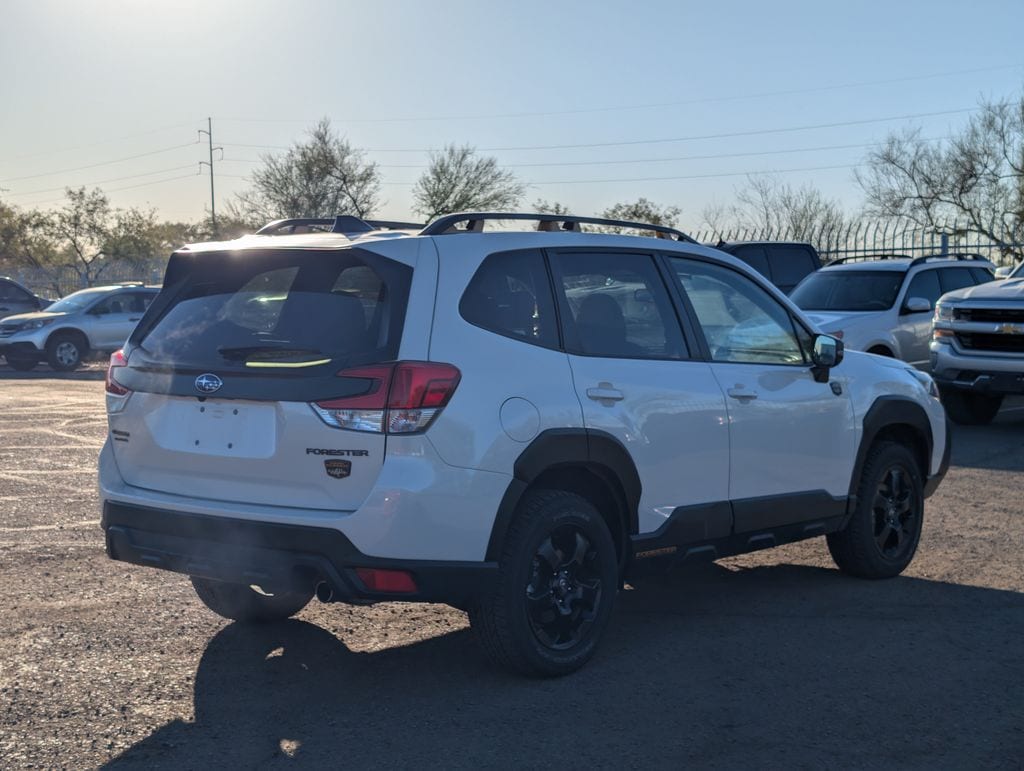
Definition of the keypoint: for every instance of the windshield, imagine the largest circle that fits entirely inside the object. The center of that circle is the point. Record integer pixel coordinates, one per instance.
(76, 301)
(1017, 272)
(848, 290)
(285, 311)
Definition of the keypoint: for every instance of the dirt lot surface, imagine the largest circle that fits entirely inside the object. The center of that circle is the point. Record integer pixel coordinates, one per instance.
(768, 660)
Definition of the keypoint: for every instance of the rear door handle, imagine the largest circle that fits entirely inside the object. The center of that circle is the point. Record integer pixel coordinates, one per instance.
(604, 393)
(742, 394)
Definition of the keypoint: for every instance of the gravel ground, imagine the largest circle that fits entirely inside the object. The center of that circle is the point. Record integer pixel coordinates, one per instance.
(767, 660)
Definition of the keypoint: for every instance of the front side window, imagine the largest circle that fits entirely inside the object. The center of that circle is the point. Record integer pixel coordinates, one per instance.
(510, 294)
(616, 305)
(741, 322)
(848, 290)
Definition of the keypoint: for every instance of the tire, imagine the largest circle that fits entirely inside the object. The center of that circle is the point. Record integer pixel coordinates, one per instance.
(19, 364)
(239, 602)
(555, 589)
(882, 535)
(970, 409)
(65, 352)
(880, 350)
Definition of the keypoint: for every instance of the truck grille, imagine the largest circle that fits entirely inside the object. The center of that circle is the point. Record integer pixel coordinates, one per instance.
(990, 314)
(976, 341)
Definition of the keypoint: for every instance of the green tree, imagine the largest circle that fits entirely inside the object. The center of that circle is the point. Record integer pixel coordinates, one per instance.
(458, 179)
(542, 206)
(642, 210)
(321, 177)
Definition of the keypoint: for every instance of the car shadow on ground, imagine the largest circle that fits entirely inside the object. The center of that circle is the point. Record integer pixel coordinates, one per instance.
(776, 666)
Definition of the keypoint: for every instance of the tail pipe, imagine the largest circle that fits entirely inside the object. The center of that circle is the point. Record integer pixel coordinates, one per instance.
(324, 592)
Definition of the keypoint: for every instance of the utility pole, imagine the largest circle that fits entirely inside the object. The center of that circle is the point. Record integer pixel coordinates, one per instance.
(209, 136)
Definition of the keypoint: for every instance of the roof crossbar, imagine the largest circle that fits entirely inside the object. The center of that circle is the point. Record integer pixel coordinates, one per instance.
(474, 223)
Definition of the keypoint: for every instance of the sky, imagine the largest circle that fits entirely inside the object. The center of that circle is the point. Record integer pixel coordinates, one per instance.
(589, 103)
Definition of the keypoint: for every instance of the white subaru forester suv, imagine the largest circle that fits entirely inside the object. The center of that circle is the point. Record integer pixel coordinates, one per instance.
(508, 422)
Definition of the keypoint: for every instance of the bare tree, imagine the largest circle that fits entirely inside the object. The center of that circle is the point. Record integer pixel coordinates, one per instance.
(321, 177)
(973, 182)
(458, 179)
(773, 209)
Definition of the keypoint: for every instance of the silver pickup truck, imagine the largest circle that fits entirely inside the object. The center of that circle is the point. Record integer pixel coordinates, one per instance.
(977, 348)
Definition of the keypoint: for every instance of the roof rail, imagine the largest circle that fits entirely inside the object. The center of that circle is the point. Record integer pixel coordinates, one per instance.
(867, 257)
(964, 256)
(343, 223)
(546, 222)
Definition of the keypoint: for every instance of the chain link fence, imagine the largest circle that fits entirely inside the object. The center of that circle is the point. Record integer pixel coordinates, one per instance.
(58, 282)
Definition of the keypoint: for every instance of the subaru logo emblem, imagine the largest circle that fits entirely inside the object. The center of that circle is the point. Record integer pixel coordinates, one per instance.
(208, 383)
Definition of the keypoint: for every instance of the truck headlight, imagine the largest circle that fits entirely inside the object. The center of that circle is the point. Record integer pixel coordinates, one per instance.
(943, 312)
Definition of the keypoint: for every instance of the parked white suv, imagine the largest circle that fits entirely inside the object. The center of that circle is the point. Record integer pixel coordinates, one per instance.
(509, 422)
(883, 304)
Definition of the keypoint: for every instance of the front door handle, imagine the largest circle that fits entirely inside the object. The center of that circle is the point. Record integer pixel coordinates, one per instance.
(742, 394)
(605, 393)
(135, 318)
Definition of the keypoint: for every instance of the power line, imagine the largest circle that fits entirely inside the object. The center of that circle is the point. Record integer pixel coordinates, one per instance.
(126, 187)
(103, 142)
(104, 181)
(653, 105)
(102, 163)
(624, 143)
(726, 135)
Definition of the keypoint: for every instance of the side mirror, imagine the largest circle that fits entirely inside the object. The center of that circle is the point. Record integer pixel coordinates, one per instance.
(643, 296)
(826, 354)
(917, 305)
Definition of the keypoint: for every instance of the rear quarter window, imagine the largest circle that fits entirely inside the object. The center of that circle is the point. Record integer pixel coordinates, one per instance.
(789, 264)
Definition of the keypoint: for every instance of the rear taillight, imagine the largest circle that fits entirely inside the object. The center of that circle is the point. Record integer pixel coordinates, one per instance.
(400, 398)
(117, 394)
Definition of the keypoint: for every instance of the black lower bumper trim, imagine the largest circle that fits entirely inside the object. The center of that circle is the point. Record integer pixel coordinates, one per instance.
(1007, 383)
(277, 556)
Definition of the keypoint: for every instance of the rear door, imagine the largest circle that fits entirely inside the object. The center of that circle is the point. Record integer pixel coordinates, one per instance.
(635, 379)
(792, 439)
(228, 363)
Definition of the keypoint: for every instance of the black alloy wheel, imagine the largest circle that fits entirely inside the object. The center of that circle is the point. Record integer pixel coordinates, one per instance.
(895, 512)
(565, 588)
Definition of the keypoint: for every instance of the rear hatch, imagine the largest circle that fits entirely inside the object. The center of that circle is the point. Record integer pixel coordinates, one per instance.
(225, 367)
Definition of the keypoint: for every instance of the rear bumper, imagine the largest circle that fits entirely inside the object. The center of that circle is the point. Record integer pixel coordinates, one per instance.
(277, 556)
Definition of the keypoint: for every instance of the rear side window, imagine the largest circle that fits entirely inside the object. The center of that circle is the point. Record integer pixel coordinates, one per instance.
(510, 295)
(286, 311)
(790, 263)
(955, 278)
(616, 305)
(981, 275)
(12, 293)
(755, 257)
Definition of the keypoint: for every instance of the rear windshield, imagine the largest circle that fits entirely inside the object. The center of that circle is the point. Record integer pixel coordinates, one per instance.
(280, 311)
(848, 290)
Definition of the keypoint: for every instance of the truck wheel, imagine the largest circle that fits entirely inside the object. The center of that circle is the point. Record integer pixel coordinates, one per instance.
(881, 537)
(970, 409)
(239, 602)
(19, 364)
(64, 352)
(555, 589)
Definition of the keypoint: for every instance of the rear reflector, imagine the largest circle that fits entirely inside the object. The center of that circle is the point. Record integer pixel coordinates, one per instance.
(390, 581)
(399, 398)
